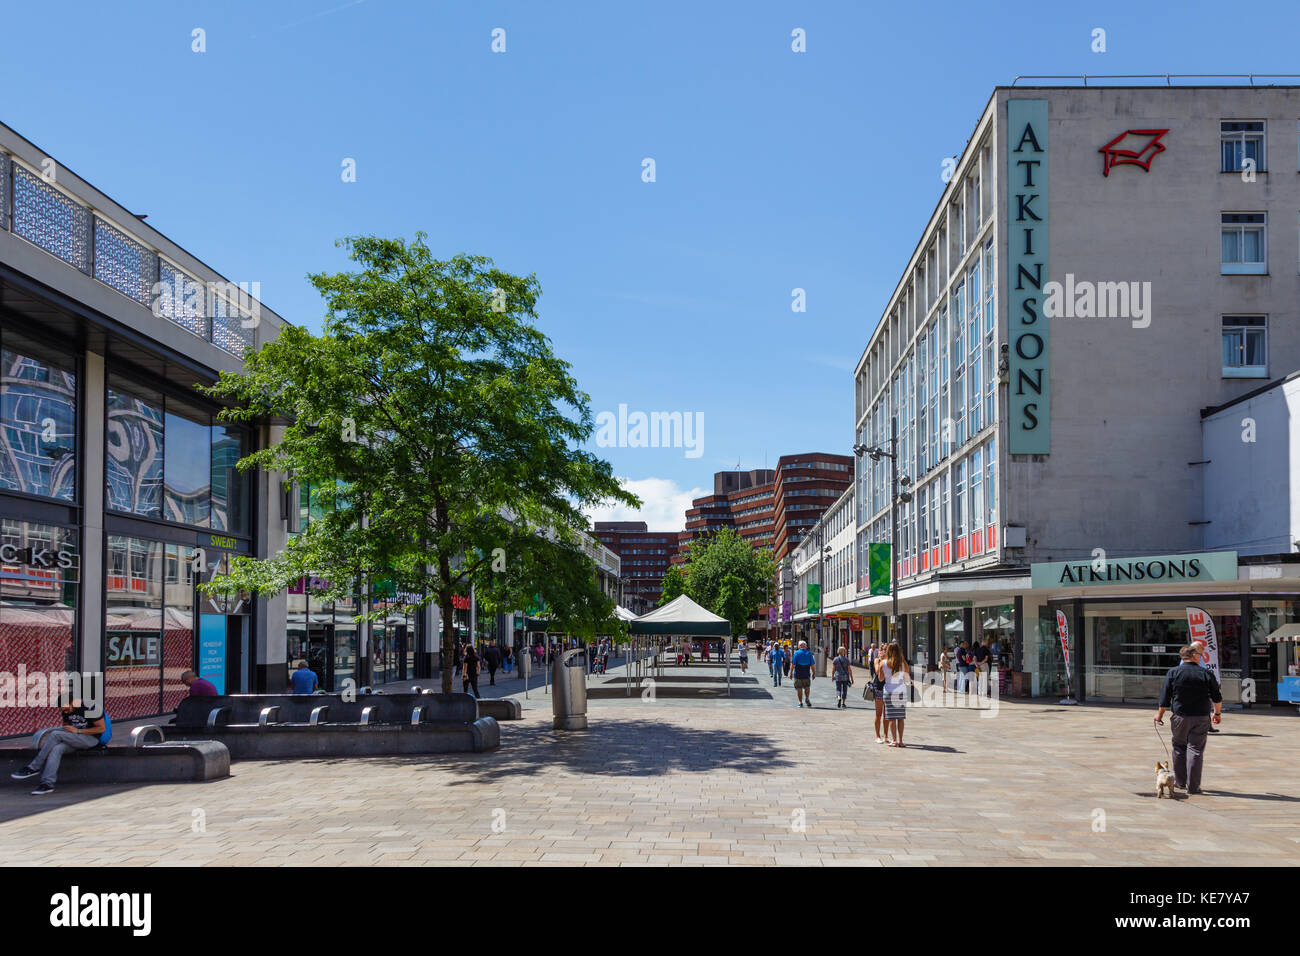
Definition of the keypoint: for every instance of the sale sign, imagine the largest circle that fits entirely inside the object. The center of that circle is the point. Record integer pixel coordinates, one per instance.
(1200, 628)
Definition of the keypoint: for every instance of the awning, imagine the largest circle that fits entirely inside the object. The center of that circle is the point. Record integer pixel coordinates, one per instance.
(1285, 634)
(623, 614)
(681, 616)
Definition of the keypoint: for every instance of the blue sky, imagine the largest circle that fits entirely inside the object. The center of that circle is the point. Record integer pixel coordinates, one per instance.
(774, 170)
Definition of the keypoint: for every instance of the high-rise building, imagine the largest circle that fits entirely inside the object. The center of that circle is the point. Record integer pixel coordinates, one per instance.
(644, 556)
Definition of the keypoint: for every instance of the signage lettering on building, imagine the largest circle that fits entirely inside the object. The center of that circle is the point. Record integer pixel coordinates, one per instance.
(1027, 265)
(460, 602)
(1167, 568)
(36, 556)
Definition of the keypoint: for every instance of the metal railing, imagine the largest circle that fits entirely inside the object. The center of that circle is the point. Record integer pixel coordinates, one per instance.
(33, 208)
(1168, 78)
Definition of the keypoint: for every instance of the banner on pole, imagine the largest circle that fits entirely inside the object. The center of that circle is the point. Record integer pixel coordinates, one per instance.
(1063, 632)
(1200, 628)
(814, 598)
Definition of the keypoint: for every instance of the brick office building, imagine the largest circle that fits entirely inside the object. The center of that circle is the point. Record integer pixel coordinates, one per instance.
(644, 556)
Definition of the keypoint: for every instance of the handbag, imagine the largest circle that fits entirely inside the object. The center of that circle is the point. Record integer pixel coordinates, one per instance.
(869, 691)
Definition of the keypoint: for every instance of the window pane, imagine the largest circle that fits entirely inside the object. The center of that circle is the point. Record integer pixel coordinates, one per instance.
(133, 594)
(229, 485)
(1255, 347)
(1252, 245)
(1231, 348)
(37, 616)
(38, 424)
(1231, 246)
(187, 484)
(134, 459)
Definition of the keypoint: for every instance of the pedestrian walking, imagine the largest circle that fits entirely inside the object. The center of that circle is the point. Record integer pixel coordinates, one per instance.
(778, 665)
(842, 672)
(744, 657)
(508, 660)
(945, 664)
(469, 671)
(804, 665)
(896, 678)
(1189, 690)
(492, 658)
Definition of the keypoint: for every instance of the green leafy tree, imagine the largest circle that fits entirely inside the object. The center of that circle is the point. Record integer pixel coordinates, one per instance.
(674, 585)
(730, 577)
(446, 429)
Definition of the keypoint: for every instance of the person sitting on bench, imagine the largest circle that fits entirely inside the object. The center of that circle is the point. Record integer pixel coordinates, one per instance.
(79, 732)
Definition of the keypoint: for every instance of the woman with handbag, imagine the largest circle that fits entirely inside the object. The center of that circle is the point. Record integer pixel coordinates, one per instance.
(895, 678)
(875, 686)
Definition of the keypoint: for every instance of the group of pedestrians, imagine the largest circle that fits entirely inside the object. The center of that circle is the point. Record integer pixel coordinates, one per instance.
(973, 665)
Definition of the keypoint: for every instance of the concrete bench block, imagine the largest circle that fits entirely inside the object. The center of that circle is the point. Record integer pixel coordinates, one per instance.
(506, 708)
(170, 762)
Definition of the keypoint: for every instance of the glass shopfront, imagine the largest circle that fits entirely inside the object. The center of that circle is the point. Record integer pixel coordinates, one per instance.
(1131, 645)
(38, 419)
(1269, 663)
(149, 638)
(40, 570)
(322, 633)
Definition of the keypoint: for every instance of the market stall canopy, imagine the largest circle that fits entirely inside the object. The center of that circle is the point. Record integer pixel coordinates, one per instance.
(623, 614)
(681, 616)
(1284, 634)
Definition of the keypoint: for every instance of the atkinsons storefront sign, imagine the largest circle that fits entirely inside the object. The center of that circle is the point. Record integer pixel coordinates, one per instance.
(1160, 569)
(1027, 269)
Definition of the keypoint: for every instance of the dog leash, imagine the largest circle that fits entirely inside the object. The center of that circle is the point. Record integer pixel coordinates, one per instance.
(1162, 740)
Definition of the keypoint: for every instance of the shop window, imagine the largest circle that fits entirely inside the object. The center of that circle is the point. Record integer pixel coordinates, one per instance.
(38, 420)
(134, 459)
(187, 470)
(39, 573)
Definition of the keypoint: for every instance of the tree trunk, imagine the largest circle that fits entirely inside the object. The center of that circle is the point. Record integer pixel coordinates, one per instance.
(448, 641)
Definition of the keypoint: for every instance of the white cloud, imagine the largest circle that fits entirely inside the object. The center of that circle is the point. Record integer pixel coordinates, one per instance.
(663, 504)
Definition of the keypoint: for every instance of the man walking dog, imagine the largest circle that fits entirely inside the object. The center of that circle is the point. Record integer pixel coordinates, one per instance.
(1189, 689)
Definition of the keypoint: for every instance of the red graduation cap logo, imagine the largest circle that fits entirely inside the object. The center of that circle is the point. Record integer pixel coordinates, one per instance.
(1139, 151)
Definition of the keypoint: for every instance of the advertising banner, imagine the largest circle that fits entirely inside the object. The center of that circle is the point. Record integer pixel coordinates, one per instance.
(1063, 631)
(878, 568)
(1200, 627)
(814, 598)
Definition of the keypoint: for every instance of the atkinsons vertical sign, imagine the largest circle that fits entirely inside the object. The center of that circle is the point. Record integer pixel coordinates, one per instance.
(1027, 248)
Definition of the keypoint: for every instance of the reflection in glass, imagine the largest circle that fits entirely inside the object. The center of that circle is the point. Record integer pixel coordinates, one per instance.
(38, 427)
(178, 624)
(187, 469)
(133, 651)
(134, 460)
(37, 612)
(229, 488)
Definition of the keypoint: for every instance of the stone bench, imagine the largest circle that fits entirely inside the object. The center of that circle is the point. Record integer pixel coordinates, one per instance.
(504, 708)
(206, 713)
(169, 762)
(286, 726)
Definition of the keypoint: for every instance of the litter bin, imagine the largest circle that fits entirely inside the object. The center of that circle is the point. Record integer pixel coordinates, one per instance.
(569, 690)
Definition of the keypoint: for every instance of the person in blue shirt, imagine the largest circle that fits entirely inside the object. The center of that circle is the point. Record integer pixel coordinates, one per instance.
(777, 660)
(804, 665)
(79, 732)
(304, 679)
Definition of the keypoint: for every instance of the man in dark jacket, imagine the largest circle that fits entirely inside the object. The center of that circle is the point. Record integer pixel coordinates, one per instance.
(1189, 690)
(492, 658)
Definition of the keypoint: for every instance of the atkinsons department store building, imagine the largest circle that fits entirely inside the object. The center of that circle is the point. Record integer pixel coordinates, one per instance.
(1104, 264)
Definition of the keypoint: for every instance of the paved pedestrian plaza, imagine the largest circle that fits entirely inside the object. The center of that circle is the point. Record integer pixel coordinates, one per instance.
(707, 780)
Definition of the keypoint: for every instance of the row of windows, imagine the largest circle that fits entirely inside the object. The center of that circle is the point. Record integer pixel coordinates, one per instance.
(959, 501)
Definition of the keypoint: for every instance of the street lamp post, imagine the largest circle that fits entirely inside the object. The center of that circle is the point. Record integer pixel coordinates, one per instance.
(875, 453)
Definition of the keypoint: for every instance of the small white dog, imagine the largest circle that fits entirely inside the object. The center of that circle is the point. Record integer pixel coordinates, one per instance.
(1164, 781)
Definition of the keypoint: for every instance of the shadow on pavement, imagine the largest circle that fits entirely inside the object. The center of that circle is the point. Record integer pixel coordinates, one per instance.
(17, 801)
(624, 748)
